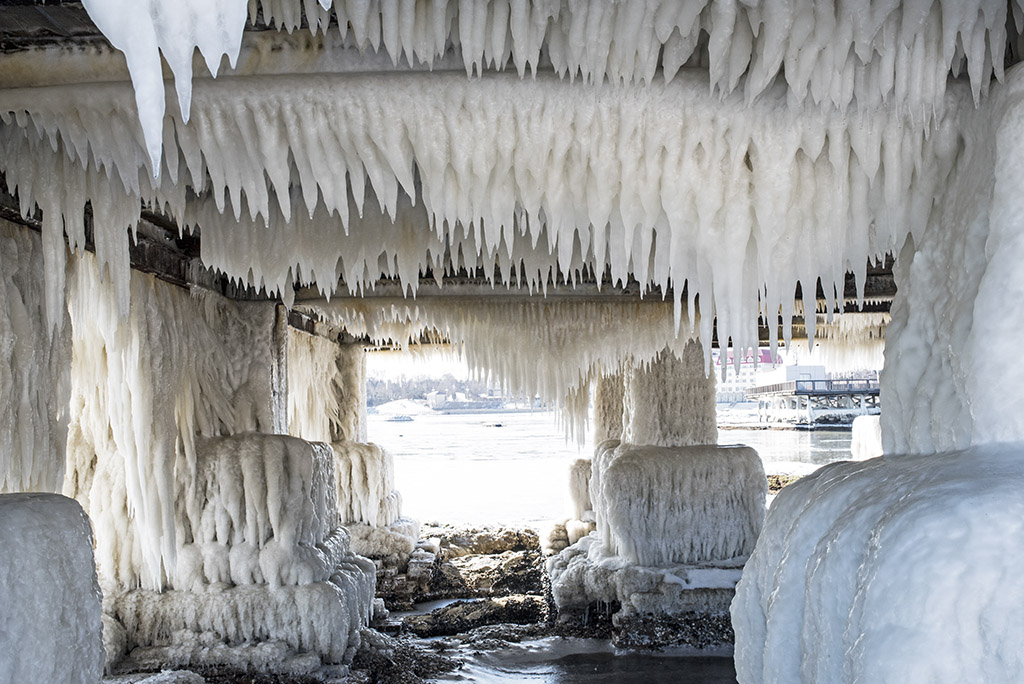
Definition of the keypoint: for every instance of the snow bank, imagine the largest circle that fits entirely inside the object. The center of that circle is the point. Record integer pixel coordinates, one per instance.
(326, 389)
(181, 365)
(664, 505)
(36, 343)
(670, 401)
(51, 630)
(896, 569)
(899, 55)
(867, 438)
(586, 573)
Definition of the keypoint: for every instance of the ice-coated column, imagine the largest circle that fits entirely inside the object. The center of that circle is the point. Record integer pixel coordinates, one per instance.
(670, 402)
(351, 425)
(608, 398)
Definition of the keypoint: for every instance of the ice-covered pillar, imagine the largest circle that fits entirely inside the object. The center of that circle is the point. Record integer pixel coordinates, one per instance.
(952, 378)
(326, 389)
(671, 401)
(351, 425)
(608, 396)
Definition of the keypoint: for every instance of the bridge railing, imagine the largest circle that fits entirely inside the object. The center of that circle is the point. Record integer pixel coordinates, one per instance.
(816, 387)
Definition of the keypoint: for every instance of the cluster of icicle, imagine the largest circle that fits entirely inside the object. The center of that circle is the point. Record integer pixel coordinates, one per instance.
(832, 55)
(34, 371)
(851, 341)
(532, 177)
(143, 388)
(366, 484)
(534, 348)
(326, 389)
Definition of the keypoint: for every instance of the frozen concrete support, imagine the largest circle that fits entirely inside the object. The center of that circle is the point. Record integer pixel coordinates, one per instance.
(326, 389)
(671, 401)
(608, 398)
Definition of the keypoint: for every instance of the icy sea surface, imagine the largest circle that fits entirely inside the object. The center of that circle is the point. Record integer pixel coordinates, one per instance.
(512, 467)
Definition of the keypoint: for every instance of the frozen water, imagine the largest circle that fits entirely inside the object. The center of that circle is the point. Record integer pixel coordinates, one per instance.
(51, 630)
(867, 438)
(326, 389)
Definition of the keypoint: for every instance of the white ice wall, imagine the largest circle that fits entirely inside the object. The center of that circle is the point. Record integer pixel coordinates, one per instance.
(49, 596)
(951, 377)
(34, 370)
(670, 401)
(180, 365)
(900, 569)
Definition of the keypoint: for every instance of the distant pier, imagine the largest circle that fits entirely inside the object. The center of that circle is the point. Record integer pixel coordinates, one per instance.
(808, 403)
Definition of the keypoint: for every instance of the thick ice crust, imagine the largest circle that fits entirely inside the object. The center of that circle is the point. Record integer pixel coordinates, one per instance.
(321, 618)
(394, 542)
(49, 595)
(897, 569)
(326, 389)
(662, 505)
(366, 484)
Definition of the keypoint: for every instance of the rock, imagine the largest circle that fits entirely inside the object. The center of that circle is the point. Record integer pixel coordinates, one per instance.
(482, 540)
(463, 616)
(699, 630)
(502, 574)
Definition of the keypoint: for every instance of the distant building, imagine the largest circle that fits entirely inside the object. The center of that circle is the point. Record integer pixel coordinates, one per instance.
(731, 384)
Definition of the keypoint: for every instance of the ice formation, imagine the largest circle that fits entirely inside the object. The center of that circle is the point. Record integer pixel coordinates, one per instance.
(664, 505)
(899, 54)
(898, 569)
(141, 393)
(579, 488)
(586, 574)
(608, 396)
(666, 182)
(850, 341)
(326, 389)
(943, 388)
(866, 439)
(261, 558)
(550, 354)
(49, 593)
(670, 401)
(366, 484)
(34, 372)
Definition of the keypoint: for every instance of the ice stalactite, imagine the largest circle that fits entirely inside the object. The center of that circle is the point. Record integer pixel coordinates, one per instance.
(947, 383)
(261, 558)
(670, 400)
(49, 593)
(34, 374)
(902, 568)
(560, 343)
(665, 182)
(142, 389)
(900, 55)
(326, 389)
(850, 341)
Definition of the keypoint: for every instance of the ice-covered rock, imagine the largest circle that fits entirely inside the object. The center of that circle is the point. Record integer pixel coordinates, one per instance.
(663, 505)
(49, 594)
(895, 569)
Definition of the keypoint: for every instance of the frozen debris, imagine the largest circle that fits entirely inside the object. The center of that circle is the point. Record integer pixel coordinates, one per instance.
(901, 569)
(867, 438)
(304, 179)
(36, 342)
(664, 505)
(670, 400)
(182, 366)
(900, 55)
(48, 589)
